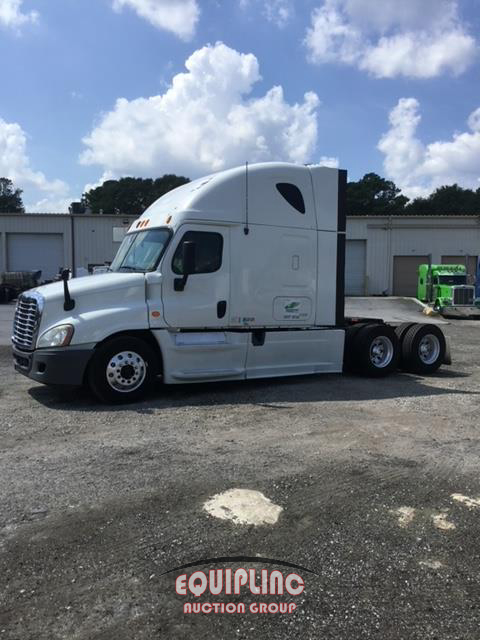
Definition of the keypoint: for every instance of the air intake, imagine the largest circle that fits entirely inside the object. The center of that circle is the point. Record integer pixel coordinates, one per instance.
(26, 321)
(463, 295)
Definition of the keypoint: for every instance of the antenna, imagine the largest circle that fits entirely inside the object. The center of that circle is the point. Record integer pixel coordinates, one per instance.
(246, 229)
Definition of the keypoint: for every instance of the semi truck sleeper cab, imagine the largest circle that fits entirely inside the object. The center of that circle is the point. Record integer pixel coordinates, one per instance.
(235, 276)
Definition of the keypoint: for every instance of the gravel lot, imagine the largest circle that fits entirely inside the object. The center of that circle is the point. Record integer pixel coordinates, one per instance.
(98, 502)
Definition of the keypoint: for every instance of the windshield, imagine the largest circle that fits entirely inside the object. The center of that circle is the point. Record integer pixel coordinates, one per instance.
(141, 251)
(452, 280)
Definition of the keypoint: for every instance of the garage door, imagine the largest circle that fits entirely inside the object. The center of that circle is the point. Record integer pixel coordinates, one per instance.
(405, 274)
(355, 261)
(471, 264)
(34, 252)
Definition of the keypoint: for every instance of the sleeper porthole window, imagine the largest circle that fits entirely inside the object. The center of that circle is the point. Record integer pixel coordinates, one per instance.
(292, 195)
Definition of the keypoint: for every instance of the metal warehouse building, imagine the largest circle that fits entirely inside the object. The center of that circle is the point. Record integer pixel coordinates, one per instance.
(382, 253)
(30, 242)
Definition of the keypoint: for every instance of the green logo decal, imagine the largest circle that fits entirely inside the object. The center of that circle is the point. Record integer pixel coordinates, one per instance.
(292, 306)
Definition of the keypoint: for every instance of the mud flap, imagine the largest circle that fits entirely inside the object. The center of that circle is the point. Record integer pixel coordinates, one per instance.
(448, 355)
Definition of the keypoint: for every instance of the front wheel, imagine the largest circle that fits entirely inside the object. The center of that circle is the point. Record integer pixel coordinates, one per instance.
(121, 370)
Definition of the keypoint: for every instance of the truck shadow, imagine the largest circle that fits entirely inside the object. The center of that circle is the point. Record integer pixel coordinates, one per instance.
(275, 393)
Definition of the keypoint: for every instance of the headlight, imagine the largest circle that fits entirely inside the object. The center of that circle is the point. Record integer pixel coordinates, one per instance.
(57, 337)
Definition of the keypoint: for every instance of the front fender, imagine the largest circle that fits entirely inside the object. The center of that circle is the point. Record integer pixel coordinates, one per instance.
(96, 325)
(444, 302)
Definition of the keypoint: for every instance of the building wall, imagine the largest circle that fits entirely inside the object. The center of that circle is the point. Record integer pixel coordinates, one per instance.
(409, 236)
(94, 241)
(93, 235)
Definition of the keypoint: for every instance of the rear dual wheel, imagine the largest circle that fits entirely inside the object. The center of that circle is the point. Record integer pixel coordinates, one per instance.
(376, 350)
(372, 350)
(423, 348)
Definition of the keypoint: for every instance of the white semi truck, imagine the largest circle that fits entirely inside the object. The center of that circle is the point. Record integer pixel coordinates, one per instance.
(234, 276)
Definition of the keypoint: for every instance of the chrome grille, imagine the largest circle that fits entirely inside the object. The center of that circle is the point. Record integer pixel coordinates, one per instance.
(463, 295)
(27, 320)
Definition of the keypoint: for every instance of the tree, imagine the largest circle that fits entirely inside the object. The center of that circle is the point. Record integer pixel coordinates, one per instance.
(129, 195)
(373, 195)
(10, 198)
(447, 200)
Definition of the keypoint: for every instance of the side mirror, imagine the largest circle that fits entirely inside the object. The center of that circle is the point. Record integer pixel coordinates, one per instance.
(188, 263)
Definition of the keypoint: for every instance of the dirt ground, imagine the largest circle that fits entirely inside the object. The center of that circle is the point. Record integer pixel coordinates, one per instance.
(373, 479)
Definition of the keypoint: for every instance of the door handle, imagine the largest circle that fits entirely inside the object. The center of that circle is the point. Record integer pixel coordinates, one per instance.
(221, 308)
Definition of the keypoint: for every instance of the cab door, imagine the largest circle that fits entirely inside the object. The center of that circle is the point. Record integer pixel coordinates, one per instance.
(205, 298)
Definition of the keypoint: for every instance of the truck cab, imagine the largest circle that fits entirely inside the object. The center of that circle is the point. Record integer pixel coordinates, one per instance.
(445, 287)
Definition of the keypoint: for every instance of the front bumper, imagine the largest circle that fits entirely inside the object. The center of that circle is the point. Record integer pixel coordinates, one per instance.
(61, 366)
(459, 311)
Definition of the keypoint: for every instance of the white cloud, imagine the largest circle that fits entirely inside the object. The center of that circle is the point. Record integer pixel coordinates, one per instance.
(370, 15)
(391, 38)
(204, 122)
(48, 205)
(280, 12)
(15, 164)
(329, 161)
(417, 168)
(11, 14)
(106, 175)
(178, 16)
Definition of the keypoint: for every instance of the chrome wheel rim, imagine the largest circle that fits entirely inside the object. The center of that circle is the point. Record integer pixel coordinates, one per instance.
(381, 352)
(429, 349)
(126, 371)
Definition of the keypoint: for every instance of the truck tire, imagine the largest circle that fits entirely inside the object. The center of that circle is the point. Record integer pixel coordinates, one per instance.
(348, 352)
(122, 370)
(423, 349)
(376, 350)
(401, 332)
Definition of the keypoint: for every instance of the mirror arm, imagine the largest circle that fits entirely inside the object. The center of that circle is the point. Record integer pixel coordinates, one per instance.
(69, 302)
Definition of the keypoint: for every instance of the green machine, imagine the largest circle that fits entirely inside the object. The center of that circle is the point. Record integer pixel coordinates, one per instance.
(445, 287)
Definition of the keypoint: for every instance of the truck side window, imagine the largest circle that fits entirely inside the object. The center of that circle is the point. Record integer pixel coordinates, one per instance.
(292, 195)
(208, 256)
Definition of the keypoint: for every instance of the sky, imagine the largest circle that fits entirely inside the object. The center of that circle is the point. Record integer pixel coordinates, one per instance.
(99, 89)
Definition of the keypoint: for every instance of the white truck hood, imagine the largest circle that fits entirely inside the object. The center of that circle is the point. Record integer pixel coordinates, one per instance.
(89, 285)
(105, 304)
